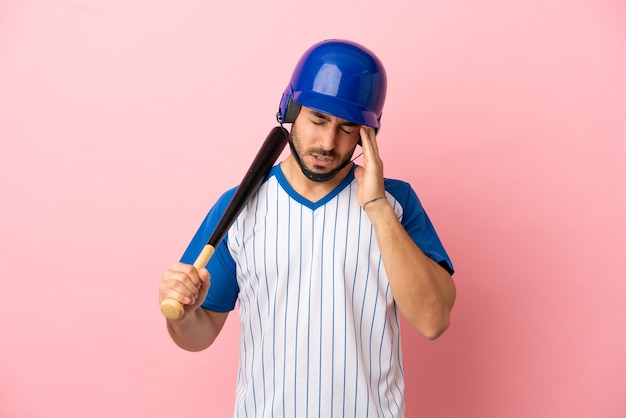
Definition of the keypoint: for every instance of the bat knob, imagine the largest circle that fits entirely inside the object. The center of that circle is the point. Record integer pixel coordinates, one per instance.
(172, 309)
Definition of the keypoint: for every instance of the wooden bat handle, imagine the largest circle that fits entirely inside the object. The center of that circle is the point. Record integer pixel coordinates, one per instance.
(173, 309)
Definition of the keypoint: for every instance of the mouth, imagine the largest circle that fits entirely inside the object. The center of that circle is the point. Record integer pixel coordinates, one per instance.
(322, 161)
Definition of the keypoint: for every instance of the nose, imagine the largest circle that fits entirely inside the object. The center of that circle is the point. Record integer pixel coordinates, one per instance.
(328, 139)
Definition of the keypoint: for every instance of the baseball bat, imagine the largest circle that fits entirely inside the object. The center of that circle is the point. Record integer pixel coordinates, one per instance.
(258, 171)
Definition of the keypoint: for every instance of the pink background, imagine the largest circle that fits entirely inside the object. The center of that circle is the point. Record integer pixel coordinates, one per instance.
(121, 122)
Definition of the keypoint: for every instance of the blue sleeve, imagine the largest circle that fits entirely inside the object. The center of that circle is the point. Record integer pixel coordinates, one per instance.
(417, 224)
(223, 292)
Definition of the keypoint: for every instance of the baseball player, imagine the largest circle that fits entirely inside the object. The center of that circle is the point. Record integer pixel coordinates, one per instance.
(322, 260)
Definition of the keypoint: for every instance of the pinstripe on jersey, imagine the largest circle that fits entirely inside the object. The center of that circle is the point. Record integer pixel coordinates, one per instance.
(320, 333)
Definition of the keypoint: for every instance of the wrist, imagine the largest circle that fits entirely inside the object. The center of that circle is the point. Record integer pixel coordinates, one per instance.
(372, 201)
(377, 207)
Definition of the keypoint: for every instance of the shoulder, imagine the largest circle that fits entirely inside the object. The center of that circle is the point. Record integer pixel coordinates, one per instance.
(222, 202)
(403, 193)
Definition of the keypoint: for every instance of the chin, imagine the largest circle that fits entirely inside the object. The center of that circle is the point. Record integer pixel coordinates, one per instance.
(321, 170)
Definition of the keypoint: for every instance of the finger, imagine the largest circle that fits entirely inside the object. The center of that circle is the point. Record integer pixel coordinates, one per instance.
(176, 292)
(368, 139)
(179, 286)
(189, 270)
(371, 159)
(358, 174)
(204, 287)
(204, 276)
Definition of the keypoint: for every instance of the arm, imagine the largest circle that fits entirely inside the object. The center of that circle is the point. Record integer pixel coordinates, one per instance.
(423, 290)
(198, 328)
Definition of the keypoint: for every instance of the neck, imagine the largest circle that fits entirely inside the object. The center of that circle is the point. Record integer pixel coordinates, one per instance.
(307, 188)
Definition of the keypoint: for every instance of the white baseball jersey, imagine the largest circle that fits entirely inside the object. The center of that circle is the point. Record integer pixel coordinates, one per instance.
(320, 332)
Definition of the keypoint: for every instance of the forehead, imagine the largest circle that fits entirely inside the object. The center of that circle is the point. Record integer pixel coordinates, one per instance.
(328, 117)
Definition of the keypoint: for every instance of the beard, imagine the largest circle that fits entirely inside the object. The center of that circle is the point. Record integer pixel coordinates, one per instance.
(296, 143)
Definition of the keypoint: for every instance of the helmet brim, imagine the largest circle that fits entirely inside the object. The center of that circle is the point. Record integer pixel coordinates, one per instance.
(336, 107)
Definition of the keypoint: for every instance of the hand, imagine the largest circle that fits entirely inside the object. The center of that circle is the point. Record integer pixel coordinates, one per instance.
(182, 282)
(370, 176)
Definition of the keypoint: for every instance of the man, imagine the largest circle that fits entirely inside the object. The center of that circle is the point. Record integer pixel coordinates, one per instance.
(321, 259)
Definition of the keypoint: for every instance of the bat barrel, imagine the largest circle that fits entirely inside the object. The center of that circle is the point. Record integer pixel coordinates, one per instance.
(258, 171)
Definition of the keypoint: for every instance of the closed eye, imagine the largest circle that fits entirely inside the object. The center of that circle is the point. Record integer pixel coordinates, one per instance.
(349, 127)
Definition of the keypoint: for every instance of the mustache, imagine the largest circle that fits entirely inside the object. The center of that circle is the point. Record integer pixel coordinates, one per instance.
(322, 152)
(293, 138)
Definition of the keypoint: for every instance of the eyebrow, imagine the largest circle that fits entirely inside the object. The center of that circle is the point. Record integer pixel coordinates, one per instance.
(324, 116)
